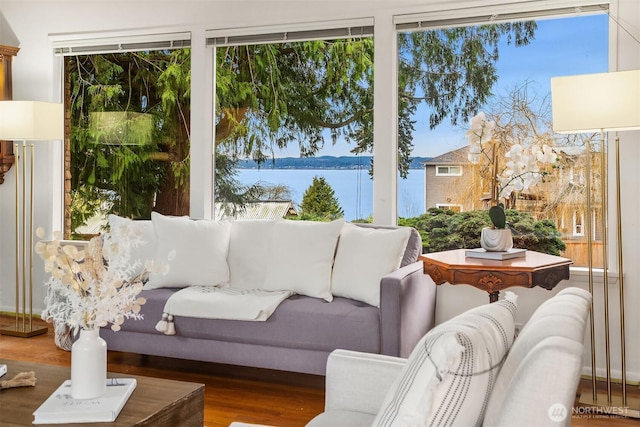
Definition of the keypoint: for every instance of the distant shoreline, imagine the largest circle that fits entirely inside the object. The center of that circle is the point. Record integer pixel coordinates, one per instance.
(321, 162)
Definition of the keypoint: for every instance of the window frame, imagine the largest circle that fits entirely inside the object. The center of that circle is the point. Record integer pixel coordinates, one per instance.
(531, 10)
(385, 93)
(449, 173)
(101, 43)
(319, 30)
(578, 224)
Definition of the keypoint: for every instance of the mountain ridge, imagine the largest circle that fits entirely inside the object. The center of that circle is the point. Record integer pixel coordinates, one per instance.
(321, 162)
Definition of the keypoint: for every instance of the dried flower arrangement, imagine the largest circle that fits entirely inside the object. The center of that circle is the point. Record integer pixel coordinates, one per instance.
(91, 288)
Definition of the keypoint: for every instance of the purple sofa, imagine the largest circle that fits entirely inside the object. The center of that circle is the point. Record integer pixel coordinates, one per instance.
(301, 333)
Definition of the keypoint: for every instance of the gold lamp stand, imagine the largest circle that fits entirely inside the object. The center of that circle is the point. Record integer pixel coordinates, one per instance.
(584, 104)
(23, 326)
(26, 121)
(629, 407)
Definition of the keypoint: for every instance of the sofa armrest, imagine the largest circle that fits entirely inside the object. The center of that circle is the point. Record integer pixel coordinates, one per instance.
(359, 381)
(407, 309)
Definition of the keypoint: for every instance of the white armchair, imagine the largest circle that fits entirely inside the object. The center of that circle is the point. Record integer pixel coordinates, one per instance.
(357, 384)
(535, 385)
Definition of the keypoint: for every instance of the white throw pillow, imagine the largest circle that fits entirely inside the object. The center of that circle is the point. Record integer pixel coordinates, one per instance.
(142, 228)
(300, 257)
(365, 255)
(195, 251)
(248, 253)
(449, 375)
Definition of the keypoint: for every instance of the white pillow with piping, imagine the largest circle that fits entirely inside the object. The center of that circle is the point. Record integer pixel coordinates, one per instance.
(194, 250)
(143, 228)
(248, 253)
(300, 257)
(364, 255)
(449, 376)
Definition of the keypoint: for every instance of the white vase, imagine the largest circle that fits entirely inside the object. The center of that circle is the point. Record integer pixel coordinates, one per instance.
(88, 365)
(496, 239)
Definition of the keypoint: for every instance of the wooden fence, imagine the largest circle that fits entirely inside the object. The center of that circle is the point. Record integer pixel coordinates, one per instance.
(577, 252)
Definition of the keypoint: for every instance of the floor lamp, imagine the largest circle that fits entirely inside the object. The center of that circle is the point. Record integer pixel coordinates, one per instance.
(599, 103)
(26, 121)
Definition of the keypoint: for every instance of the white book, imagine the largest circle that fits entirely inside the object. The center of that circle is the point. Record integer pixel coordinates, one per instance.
(498, 255)
(3, 369)
(61, 408)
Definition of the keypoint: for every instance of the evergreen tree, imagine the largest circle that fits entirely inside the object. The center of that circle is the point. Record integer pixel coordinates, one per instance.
(319, 200)
(270, 96)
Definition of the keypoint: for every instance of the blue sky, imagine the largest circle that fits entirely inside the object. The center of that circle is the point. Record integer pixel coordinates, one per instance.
(565, 46)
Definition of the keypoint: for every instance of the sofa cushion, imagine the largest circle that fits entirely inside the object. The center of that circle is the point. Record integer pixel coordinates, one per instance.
(194, 251)
(414, 248)
(364, 255)
(543, 389)
(248, 253)
(143, 228)
(449, 375)
(562, 316)
(300, 257)
(298, 322)
(414, 244)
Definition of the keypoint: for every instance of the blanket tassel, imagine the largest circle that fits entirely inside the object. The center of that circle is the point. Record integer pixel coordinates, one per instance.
(166, 325)
(161, 326)
(171, 327)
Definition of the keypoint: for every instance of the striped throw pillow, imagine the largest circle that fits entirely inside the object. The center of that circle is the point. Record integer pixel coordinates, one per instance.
(449, 375)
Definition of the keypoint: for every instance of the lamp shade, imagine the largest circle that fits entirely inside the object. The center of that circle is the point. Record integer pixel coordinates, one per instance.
(31, 120)
(594, 102)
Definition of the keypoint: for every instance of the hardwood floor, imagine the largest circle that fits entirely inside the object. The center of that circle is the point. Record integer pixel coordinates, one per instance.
(232, 393)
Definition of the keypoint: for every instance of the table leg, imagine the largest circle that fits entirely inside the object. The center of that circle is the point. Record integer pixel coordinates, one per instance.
(493, 296)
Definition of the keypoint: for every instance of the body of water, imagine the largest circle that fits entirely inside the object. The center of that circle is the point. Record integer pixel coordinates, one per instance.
(353, 188)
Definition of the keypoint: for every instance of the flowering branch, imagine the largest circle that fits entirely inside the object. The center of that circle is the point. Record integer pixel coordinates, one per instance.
(523, 170)
(519, 173)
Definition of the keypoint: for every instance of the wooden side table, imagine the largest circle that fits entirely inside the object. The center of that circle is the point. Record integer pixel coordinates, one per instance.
(492, 276)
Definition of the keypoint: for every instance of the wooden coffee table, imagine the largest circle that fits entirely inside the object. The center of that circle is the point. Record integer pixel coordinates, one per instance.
(155, 401)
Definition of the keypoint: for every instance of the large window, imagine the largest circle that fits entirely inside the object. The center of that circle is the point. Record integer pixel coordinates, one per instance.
(128, 109)
(451, 70)
(293, 123)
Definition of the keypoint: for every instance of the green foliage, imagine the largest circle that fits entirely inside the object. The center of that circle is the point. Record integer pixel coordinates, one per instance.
(268, 96)
(540, 236)
(367, 220)
(443, 230)
(310, 217)
(229, 191)
(129, 132)
(319, 200)
(498, 216)
(273, 95)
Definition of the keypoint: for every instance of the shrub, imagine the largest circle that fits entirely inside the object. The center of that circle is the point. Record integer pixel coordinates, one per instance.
(443, 230)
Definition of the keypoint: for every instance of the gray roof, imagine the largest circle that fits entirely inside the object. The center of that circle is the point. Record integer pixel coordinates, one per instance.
(455, 157)
(268, 209)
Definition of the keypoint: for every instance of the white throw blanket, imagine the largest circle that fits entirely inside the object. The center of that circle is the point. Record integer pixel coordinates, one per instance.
(211, 302)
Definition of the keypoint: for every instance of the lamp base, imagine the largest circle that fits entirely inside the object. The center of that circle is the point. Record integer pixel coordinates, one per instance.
(23, 332)
(601, 407)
